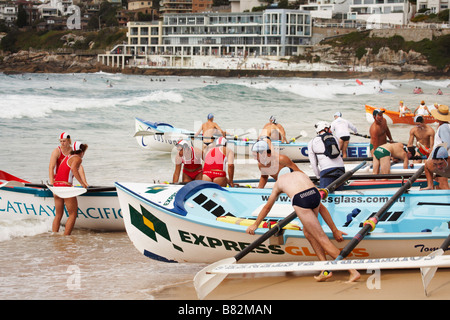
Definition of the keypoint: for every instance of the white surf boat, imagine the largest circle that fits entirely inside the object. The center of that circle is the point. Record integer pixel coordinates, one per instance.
(98, 207)
(163, 137)
(202, 222)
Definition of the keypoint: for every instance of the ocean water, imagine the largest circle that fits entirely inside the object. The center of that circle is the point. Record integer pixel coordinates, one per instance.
(36, 108)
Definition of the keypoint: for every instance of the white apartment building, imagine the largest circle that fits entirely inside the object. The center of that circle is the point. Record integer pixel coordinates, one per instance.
(8, 13)
(434, 6)
(274, 32)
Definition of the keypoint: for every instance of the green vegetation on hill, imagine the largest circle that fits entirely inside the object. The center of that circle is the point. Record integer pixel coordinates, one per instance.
(437, 50)
(51, 40)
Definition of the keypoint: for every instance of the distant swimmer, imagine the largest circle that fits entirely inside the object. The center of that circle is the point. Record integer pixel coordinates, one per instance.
(306, 201)
(274, 130)
(439, 92)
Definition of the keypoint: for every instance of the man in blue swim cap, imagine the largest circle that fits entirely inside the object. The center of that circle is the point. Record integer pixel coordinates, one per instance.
(209, 130)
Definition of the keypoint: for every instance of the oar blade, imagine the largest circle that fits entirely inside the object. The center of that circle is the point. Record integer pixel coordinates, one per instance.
(67, 192)
(428, 273)
(205, 282)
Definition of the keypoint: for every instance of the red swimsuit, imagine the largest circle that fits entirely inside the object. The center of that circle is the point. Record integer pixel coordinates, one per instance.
(191, 167)
(214, 164)
(64, 175)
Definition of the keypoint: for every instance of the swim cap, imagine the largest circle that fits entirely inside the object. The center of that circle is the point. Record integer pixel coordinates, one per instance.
(260, 146)
(321, 125)
(221, 141)
(64, 135)
(273, 119)
(439, 153)
(76, 145)
(210, 116)
(377, 111)
(418, 118)
(338, 114)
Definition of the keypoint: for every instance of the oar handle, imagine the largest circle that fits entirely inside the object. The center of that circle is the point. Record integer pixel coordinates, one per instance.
(277, 227)
(444, 246)
(372, 222)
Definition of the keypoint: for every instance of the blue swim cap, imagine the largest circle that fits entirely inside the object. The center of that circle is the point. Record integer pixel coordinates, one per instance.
(210, 116)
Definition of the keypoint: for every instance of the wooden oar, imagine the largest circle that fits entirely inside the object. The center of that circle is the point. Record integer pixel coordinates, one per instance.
(70, 192)
(303, 133)
(369, 225)
(205, 282)
(428, 273)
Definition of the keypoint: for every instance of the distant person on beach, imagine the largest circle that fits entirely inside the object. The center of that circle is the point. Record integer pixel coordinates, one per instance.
(209, 129)
(439, 92)
(422, 109)
(218, 159)
(382, 157)
(306, 201)
(379, 130)
(274, 130)
(68, 169)
(270, 163)
(403, 110)
(324, 155)
(340, 128)
(190, 159)
(437, 168)
(424, 135)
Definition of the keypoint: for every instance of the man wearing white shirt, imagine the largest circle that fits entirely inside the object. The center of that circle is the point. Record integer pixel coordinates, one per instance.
(340, 128)
(325, 168)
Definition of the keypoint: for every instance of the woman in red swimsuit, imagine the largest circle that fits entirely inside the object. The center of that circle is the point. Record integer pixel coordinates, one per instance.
(68, 169)
(58, 155)
(191, 160)
(216, 161)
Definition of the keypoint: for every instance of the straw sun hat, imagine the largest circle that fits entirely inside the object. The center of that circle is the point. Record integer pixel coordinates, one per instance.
(441, 113)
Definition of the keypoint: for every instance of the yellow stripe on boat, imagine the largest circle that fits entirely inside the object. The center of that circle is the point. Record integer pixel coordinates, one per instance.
(248, 222)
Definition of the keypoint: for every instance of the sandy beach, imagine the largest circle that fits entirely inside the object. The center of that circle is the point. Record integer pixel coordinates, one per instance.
(391, 285)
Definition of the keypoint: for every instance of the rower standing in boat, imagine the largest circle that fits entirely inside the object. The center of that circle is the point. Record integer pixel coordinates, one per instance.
(270, 163)
(438, 166)
(274, 130)
(68, 169)
(217, 160)
(326, 162)
(307, 204)
(424, 134)
(209, 129)
(340, 128)
(379, 130)
(382, 157)
(190, 159)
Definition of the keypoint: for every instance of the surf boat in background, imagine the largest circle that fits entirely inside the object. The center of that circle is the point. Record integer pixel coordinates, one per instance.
(159, 136)
(202, 222)
(98, 207)
(393, 117)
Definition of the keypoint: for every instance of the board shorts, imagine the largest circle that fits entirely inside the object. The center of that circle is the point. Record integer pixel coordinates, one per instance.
(345, 138)
(193, 174)
(307, 199)
(215, 174)
(381, 152)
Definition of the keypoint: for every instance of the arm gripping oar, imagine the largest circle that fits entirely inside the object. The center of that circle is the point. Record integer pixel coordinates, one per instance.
(205, 282)
(369, 225)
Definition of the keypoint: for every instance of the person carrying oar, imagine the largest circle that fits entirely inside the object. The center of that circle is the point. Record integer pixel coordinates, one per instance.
(306, 201)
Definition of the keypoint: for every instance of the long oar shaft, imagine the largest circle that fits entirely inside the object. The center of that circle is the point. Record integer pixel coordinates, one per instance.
(371, 223)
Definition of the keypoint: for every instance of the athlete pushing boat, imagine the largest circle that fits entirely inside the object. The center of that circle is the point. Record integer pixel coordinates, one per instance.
(306, 201)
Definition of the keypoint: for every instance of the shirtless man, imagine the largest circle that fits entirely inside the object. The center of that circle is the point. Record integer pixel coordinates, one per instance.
(424, 134)
(274, 131)
(306, 202)
(382, 157)
(209, 129)
(438, 164)
(270, 163)
(378, 130)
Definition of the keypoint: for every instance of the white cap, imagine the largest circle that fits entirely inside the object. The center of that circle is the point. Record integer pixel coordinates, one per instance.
(183, 143)
(321, 125)
(260, 146)
(338, 114)
(76, 145)
(64, 135)
(439, 153)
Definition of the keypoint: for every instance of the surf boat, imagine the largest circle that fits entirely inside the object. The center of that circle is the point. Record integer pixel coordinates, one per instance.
(163, 137)
(98, 207)
(393, 117)
(202, 222)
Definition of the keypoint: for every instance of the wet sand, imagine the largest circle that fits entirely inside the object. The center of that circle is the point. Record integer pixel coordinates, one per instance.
(392, 285)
